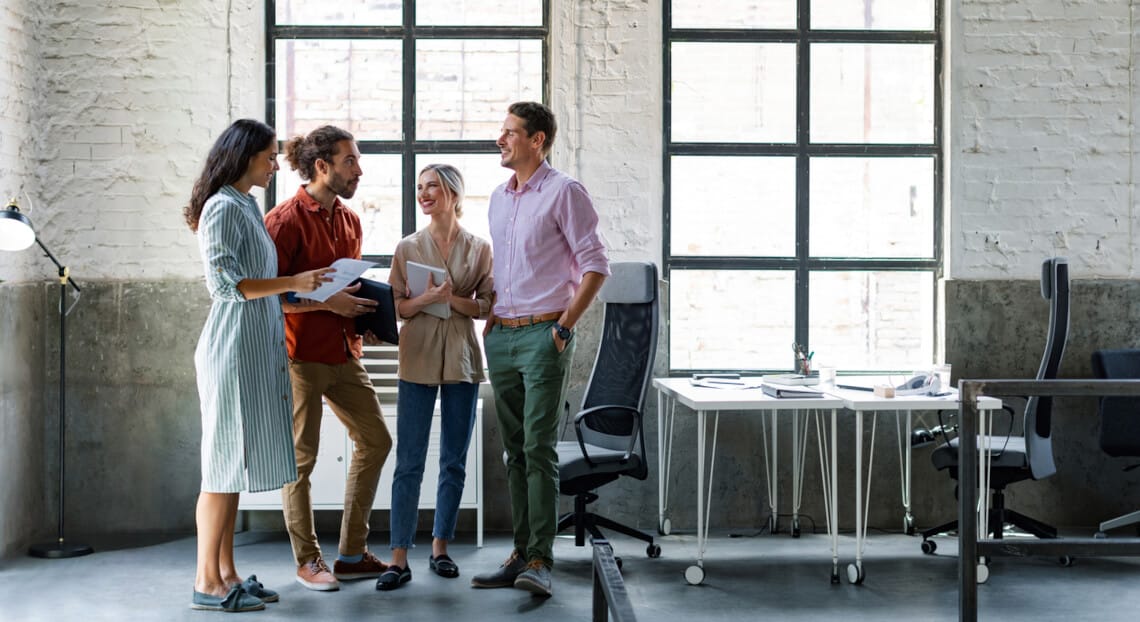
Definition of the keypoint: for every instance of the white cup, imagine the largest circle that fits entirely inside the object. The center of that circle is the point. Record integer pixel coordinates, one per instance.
(942, 370)
(826, 374)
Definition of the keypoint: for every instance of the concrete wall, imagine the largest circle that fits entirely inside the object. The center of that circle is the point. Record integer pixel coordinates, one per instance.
(128, 99)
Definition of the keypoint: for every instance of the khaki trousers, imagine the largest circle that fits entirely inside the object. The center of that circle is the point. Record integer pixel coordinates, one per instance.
(352, 398)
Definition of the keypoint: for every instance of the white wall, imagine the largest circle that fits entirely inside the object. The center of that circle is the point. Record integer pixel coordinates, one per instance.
(131, 96)
(1042, 138)
(18, 96)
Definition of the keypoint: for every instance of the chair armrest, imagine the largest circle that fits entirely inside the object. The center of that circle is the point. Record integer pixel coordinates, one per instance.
(633, 412)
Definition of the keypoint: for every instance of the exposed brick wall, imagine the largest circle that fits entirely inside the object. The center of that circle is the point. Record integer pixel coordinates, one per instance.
(134, 94)
(17, 99)
(1042, 141)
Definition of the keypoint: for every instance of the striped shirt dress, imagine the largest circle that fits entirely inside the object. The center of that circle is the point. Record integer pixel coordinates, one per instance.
(242, 367)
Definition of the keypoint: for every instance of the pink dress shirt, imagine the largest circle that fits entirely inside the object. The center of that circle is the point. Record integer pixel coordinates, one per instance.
(545, 237)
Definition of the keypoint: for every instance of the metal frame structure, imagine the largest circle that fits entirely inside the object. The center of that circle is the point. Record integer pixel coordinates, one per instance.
(408, 33)
(803, 263)
(972, 464)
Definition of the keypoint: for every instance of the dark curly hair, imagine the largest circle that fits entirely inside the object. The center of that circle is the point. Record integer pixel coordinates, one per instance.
(302, 152)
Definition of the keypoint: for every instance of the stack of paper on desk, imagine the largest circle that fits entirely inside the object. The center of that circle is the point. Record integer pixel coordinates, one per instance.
(795, 379)
(778, 391)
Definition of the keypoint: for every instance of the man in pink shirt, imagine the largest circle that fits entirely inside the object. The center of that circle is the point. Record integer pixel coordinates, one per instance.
(549, 264)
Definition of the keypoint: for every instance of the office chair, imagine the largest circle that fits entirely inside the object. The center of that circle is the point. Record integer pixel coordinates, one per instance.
(1030, 456)
(1119, 418)
(610, 442)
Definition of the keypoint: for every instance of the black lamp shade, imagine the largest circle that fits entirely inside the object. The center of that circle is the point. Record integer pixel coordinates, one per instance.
(16, 231)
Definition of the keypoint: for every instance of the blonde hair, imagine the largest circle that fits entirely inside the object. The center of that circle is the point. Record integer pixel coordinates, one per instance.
(452, 182)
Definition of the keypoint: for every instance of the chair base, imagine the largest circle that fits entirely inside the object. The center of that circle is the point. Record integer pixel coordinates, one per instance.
(999, 517)
(584, 521)
(1121, 521)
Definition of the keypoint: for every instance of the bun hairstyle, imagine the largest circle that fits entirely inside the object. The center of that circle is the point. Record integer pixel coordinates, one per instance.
(302, 152)
(227, 161)
(452, 182)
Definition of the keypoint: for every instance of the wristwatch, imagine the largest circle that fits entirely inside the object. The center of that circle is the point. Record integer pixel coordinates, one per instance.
(563, 333)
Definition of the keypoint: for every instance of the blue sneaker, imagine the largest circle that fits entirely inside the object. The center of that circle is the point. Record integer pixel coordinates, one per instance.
(254, 588)
(235, 600)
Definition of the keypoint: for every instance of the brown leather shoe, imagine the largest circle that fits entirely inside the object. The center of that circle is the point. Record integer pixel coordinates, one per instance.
(315, 575)
(369, 567)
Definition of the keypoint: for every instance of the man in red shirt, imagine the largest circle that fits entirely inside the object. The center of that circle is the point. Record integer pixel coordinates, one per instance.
(314, 228)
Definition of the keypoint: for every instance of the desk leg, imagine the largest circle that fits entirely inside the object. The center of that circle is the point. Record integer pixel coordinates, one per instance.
(696, 574)
(828, 468)
(666, 408)
(904, 460)
(855, 572)
(799, 445)
(770, 472)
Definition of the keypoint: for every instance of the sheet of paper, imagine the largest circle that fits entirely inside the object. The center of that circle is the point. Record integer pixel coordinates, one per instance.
(347, 271)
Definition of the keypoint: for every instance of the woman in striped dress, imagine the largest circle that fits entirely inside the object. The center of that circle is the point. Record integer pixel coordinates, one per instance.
(243, 383)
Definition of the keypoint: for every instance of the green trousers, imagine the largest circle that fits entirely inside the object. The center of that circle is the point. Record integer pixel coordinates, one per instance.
(528, 375)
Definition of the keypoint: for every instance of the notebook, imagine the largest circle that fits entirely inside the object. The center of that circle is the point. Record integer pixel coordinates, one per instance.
(417, 283)
(382, 321)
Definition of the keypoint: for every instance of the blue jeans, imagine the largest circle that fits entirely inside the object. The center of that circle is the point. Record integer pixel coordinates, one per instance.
(415, 404)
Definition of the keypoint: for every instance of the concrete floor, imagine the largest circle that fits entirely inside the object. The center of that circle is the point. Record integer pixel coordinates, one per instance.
(748, 578)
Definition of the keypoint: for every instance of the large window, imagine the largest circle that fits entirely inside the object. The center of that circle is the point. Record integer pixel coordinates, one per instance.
(803, 182)
(416, 82)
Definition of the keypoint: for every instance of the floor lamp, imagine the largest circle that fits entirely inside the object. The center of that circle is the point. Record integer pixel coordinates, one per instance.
(17, 234)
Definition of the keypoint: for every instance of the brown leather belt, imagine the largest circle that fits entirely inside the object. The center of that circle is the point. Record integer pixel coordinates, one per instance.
(527, 320)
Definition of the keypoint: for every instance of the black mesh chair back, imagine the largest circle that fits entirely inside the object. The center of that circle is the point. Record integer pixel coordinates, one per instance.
(624, 364)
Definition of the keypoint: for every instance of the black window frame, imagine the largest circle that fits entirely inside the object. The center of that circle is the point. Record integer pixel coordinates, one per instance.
(408, 147)
(803, 150)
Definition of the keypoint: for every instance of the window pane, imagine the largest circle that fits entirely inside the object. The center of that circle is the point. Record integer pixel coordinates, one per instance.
(352, 84)
(731, 319)
(733, 14)
(872, 320)
(377, 200)
(341, 12)
(463, 87)
(479, 12)
(872, 207)
(481, 175)
(732, 206)
(733, 92)
(872, 14)
(881, 93)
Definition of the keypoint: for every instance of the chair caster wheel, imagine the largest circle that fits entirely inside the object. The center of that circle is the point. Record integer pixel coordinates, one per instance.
(835, 577)
(694, 575)
(929, 546)
(665, 527)
(855, 574)
(617, 560)
(983, 573)
(653, 551)
(1066, 560)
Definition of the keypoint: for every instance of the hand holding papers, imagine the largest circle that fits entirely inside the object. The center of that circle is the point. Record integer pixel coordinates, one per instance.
(347, 271)
(418, 282)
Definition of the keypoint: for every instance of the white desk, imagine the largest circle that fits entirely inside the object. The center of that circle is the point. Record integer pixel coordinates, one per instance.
(705, 400)
(866, 401)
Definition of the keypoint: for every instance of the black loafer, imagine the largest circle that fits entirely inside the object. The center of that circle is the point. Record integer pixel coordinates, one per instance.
(393, 578)
(444, 566)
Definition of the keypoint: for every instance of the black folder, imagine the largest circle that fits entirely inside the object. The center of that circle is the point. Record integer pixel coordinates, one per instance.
(382, 321)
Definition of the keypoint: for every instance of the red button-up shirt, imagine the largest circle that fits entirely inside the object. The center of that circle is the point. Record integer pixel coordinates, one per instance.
(307, 238)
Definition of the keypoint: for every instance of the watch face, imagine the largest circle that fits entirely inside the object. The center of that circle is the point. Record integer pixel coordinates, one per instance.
(563, 333)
